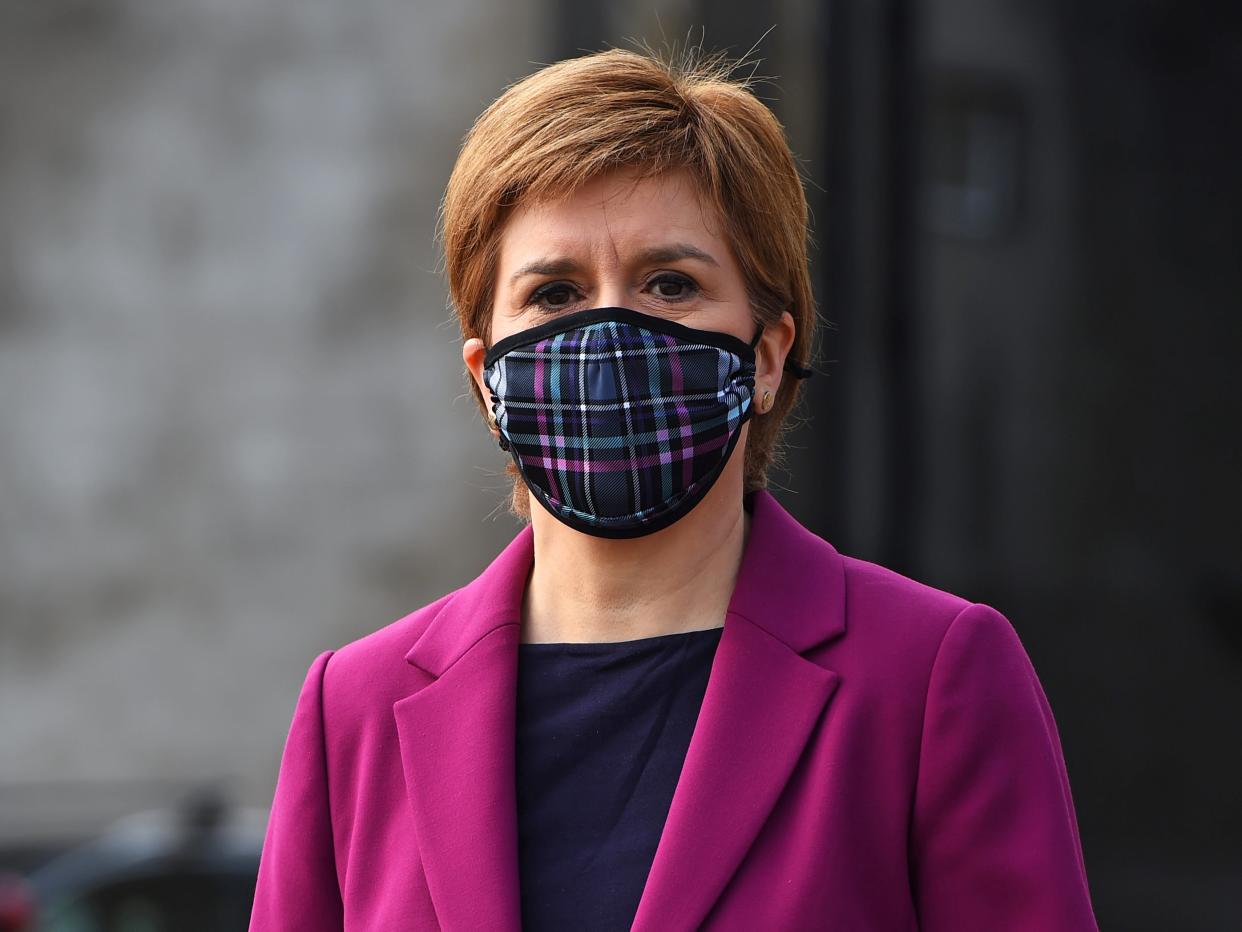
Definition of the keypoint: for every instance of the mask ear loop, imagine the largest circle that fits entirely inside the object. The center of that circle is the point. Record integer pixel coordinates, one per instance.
(797, 371)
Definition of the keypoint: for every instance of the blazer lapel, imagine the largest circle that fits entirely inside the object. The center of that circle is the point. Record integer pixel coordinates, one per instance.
(457, 747)
(763, 700)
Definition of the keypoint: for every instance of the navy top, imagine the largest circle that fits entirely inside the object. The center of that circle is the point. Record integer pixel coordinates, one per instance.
(602, 732)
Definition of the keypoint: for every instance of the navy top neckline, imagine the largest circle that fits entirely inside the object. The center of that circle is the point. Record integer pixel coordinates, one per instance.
(657, 640)
(602, 731)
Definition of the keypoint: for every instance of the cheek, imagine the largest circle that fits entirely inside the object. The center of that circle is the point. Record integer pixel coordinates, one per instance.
(499, 326)
(505, 323)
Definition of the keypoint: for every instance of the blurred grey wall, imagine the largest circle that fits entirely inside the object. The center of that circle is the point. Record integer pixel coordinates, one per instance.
(234, 429)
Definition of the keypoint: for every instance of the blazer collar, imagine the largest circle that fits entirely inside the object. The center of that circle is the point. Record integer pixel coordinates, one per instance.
(457, 731)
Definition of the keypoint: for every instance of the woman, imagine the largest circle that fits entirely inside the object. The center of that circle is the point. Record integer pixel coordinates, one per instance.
(665, 705)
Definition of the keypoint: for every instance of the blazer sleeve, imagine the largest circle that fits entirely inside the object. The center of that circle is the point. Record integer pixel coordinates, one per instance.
(994, 839)
(297, 886)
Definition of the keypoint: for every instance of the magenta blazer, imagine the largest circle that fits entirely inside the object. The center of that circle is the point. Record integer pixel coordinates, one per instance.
(871, 755)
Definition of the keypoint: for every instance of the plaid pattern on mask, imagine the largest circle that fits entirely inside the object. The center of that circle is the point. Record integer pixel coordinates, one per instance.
(615, 426)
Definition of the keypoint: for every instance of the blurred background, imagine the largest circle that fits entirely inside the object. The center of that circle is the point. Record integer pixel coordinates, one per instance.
(235, 428)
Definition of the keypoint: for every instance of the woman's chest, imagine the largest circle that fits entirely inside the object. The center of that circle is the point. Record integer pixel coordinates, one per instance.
(825, 848)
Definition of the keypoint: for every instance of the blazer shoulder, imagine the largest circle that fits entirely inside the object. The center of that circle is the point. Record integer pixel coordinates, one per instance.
(872, 583)
(374, 665)
(883, 603)
(895, 627)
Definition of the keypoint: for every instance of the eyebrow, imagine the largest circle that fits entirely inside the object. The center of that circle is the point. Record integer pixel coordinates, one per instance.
(671, 252)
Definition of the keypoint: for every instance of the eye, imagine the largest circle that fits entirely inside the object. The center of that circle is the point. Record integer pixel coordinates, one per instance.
(552, 296)
(673, 287)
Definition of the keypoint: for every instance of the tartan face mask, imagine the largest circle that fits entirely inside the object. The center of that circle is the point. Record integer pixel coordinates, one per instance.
(619, 422)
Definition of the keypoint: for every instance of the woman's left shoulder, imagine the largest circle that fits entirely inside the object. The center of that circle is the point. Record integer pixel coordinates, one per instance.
(881, 595)
(892, 617)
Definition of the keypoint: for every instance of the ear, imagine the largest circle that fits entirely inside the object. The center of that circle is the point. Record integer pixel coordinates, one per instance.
(771, 353)
(473, 353)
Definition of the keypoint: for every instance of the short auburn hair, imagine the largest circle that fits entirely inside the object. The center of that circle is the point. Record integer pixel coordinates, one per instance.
(575, 120)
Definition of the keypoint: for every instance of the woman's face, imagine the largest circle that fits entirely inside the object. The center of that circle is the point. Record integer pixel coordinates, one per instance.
(620, 241)
(625, 241)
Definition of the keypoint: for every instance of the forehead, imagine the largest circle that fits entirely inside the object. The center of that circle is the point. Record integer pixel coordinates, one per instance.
(613, 213)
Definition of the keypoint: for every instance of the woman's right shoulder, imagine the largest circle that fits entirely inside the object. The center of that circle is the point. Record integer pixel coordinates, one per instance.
(372, 670)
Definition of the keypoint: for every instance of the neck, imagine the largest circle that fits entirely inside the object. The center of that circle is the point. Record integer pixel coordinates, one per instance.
(586, 588)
